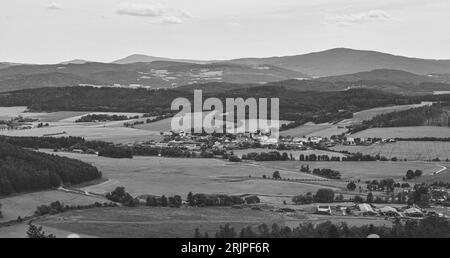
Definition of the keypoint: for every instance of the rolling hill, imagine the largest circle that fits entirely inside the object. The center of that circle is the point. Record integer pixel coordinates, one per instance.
(395, 76)
(341, 61)
(158, 74)
(148, 59)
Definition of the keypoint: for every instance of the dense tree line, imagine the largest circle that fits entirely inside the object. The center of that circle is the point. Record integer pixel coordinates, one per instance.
(55, 143)
(421, 116)
(323, 195)
(205, 200)
(103, 118)
(116, 152)
(58, 207)
(295, 105)
(430, 227)
(23, 170)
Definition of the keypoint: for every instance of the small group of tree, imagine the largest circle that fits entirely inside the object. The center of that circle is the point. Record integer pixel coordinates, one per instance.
(116, 152)
(58, 207)
(205, 200)
(382, 185)
(323, 195)
(119, 195)
(163, 201)
(266, 156)
(429, 227)
(103, 118)
(327, 173)
(37, 232)
(365, 157)
(413, 174)
(314, 157)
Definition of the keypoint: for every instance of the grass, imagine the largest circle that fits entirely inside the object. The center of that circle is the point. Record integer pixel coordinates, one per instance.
(157, 222)
(363, 170)
(25, 204)
(295, 153)
(404, 150)
(167, 176)
(405, 132)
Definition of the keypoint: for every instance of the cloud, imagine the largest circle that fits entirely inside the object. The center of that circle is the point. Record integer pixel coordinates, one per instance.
(160, 14)
(54, 6)
(235, 24)
(170, 20)
(359, 18)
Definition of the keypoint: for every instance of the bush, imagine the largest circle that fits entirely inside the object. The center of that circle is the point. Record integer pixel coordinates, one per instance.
(324, 196)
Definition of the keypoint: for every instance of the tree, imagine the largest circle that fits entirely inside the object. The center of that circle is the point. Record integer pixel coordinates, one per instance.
(418, 173)
(370, 198)
(37, 232)
(276, 175)
(351, 186)
(197, 233)
(324, 196)
(190, 199)
(164, 202)
(410, 175)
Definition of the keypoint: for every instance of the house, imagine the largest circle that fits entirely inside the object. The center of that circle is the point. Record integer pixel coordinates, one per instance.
(323, 210)
(3, 127)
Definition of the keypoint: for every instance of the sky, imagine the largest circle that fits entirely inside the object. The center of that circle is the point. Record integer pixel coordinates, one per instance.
(52, 31)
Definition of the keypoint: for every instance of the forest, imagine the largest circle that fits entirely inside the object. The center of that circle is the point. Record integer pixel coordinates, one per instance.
(24, 170)
(294, 105)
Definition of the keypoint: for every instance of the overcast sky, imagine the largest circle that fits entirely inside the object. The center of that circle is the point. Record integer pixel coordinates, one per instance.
(42, 31)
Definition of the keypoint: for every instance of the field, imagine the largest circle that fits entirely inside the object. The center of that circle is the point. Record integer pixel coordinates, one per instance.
(404, 150)
(371, 113)
(405, 132)
(62, 124)
(363, 170)
(328, 130)
(295, 153)
(25, 204)
(167, 176)
(311, 129)
(157, 222)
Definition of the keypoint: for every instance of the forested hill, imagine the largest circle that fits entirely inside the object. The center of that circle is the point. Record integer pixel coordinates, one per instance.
(23, 170)
(292, 103)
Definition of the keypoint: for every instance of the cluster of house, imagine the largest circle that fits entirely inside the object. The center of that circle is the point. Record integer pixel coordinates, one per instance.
(223, 142)
(299, 142)
(371, 210)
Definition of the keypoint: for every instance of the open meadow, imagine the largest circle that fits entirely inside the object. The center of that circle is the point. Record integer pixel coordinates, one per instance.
(409, 150)
(157, 222)
(362, 170)
(24, 205)
(177, 176)
(405, 132)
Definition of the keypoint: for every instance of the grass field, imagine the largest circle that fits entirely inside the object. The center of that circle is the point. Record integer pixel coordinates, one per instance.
(25, 204)
(311, 129)
(328, 130)
(363, 170)
(158, 176)
(295, 153)
(404, 150)
(405, 132)
(157, 222)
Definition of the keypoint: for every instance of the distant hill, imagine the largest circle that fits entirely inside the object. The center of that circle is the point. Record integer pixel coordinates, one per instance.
(6, 65)
(19, 82)
(148, 59)
(341, 61)
(395, 76)
(75, 61)
(158, 74)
